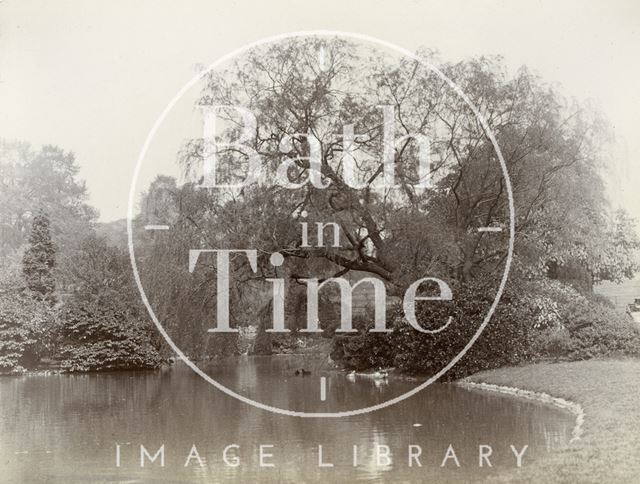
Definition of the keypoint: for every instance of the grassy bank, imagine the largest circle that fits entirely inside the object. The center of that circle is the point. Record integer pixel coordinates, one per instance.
(609, 393)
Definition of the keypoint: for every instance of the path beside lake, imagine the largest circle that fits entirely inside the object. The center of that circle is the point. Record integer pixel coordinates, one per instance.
(609, 393)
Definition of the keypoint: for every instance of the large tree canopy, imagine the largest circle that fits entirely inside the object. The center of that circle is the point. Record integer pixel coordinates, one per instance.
(553, 151)
(46, 180)
(308, 96)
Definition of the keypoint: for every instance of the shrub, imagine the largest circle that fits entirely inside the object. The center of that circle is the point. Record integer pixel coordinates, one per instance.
(505, 341)
(363, 350)
(534, 320)
(104, 334)
(551, 342)
(24, 318)
(590, 330)
(547, 298)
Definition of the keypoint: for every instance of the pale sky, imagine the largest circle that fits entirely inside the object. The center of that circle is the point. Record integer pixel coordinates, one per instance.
(92, 76)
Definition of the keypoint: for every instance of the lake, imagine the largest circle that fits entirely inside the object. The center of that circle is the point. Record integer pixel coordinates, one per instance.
(65, 428)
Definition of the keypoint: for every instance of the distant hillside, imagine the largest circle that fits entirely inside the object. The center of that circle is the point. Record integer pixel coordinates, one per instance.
(115, 232)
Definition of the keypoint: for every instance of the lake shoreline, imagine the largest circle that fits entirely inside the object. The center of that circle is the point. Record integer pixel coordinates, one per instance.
(561, 403)
(606, 391)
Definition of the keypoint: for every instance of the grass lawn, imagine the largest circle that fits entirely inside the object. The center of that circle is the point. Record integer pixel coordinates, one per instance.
(609, 392)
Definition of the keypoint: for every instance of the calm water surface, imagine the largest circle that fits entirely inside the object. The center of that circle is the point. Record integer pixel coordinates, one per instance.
(65, 428)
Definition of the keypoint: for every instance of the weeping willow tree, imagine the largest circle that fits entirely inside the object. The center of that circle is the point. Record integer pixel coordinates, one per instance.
(309, 95)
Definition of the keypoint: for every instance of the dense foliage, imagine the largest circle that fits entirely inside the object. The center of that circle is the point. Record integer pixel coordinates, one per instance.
(66, 296)
(505, 340)
(104, 334)
(24, 321)
(103, 326)
(557, 323)
(589, 329)
(554, 150)
(566, 236)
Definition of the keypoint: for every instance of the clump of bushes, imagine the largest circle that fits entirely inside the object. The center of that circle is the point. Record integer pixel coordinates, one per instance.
(530, 324)
(505, 340)
(23, 319)
(104, 334)
(589, 329)
(363, 350)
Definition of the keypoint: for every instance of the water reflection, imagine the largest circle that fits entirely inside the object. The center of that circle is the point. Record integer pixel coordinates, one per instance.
(65, 428)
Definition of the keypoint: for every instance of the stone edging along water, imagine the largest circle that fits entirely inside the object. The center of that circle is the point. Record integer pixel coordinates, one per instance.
(575, 408)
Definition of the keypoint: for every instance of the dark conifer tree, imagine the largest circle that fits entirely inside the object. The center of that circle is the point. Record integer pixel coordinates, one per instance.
(39, 259)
